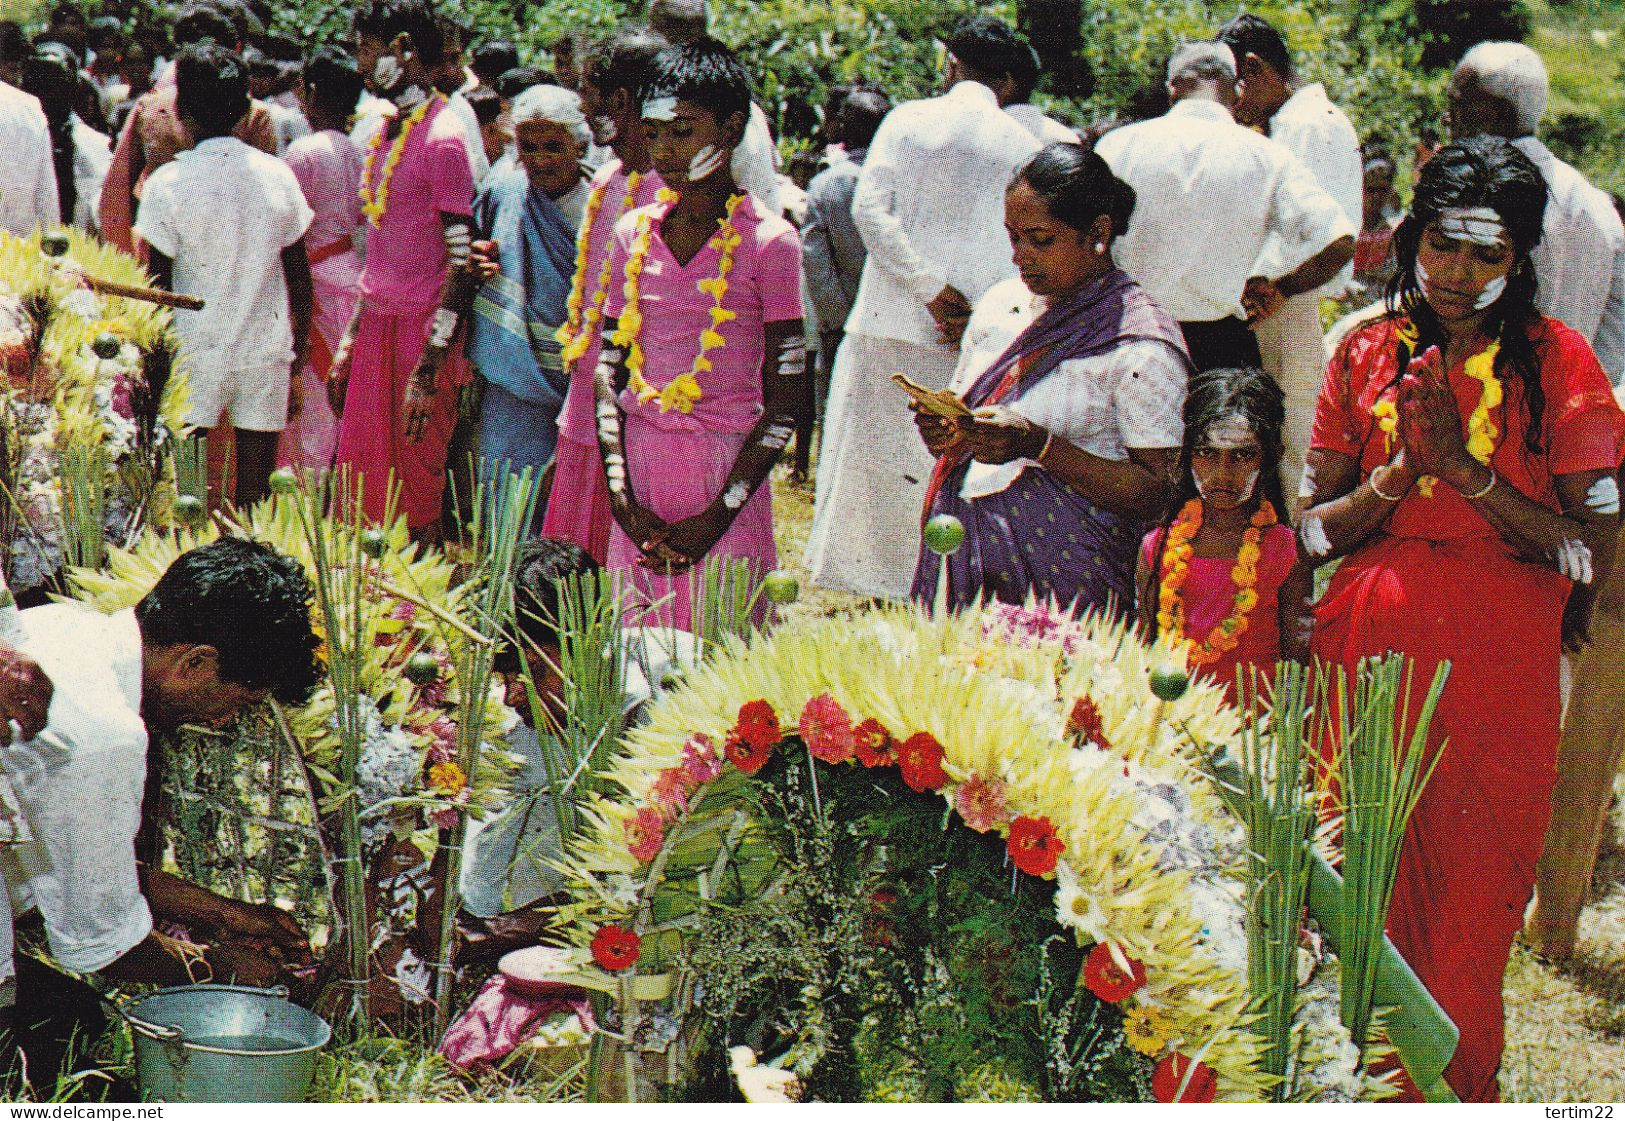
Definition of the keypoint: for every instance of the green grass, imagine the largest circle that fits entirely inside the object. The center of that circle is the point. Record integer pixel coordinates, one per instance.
(1582, 42)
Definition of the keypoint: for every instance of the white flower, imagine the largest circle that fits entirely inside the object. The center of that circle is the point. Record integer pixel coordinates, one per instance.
(1077, 908)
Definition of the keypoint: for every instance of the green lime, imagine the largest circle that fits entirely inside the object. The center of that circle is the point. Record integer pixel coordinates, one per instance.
(189, 509)
(374, 542)
(944, 534)
(1169, 682)
(422, 668)
(781, 586)
(284, 480)
(54, 245)
(106, 345)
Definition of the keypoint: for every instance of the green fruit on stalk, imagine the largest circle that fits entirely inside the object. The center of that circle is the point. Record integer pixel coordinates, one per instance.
(1169, 683)
(781, 586)
(106, 345)
(422, 669)
(54, 245)
(944, 534)
(189, 509)
(284, 481)
(374, 542)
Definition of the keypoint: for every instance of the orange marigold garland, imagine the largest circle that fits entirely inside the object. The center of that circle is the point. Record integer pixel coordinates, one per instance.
(1176, 563)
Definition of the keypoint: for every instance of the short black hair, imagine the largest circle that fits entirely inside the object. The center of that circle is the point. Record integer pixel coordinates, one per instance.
(859, 117)
(14, 45)
(249, 602)
(200, 22)
(211, 88)
(491, 60)
(106, 32)
(988, 47)
(515, 81)
(67, 12)
(623, 60)
(1024, 72)
(416, 19)
(1249, 34)
(486, 103)
(333, 82)
(703, 73)
(1077, 187)
(542, 563)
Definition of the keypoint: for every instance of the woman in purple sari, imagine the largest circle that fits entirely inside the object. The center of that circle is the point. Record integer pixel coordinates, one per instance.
(1076, 384)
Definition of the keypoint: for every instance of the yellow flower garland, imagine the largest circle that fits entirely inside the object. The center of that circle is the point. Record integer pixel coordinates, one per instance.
(683, 392)
(575, 335)
(1482, 431)
(375, 201)
(1176, 558)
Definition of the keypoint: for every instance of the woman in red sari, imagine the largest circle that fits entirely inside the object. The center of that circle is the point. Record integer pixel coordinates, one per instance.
(1463, 464)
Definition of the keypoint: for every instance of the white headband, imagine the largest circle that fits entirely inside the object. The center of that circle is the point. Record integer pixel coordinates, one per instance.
(1479, 225)
(660, 108)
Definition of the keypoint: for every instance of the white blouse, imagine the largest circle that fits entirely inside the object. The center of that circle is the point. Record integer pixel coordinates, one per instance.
(1129, 397)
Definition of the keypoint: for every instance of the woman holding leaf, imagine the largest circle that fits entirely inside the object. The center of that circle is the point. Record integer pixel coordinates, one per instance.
(1463, 463)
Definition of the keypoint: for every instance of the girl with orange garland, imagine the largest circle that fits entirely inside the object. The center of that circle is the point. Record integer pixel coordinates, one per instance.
(1223, 573)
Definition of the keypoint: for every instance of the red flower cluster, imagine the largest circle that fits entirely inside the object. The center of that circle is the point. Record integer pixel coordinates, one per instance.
(1085, 723)
(920, 760)
(1104, 975)
(1176, 1070)
(874, 744)
(615, 948)
(754, 736)
(826, 729)
(1033, 845)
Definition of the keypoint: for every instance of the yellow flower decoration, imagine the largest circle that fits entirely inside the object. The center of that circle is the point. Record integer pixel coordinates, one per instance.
(374, 201)
(1146, 1028)
(447, 779)
(1176, 556)
(575, 335)
(683, 392)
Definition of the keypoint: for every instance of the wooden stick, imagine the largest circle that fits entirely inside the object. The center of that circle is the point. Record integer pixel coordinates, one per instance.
(150, 295)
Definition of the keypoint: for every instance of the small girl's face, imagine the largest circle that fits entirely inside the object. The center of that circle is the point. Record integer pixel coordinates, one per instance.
(1226, 462)
(687, 143)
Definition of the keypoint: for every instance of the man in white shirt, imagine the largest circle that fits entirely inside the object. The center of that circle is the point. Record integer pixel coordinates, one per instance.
(1298, 116)
(1209, 194)
(28, 196)
(929, 206)
(226, 626)
(1500, 89)
(1046, 130)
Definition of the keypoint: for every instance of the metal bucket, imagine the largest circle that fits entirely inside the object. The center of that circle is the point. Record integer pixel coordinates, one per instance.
(225, 1043)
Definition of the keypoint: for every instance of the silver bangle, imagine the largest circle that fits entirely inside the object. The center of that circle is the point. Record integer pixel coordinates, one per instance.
(1489, 486)
(1372, 482)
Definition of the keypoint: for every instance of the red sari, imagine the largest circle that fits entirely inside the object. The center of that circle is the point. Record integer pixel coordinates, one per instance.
(1441, 584)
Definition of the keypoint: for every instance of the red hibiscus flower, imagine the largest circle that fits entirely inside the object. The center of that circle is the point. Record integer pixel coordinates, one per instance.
(615, 948)
(645, 834)
(749, 756)
(920, 758)
(1105, 976)
(1033, 845)
(826, 729)
(874, 744)
(758, 723)
(1085, 723)
(1175, 1071)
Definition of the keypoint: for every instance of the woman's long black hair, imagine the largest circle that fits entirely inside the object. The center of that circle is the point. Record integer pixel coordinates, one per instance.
(1480, 171)
(1214, 394)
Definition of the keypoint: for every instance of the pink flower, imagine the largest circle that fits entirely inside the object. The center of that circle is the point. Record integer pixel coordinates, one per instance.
(670, 793)
(444, 748)
(645, 834)
(702, 762)
(826, 729)
(403, 611)
(980, 801)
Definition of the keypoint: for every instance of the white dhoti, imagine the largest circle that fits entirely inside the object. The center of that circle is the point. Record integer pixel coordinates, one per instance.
(1293, 348)
(873, 468)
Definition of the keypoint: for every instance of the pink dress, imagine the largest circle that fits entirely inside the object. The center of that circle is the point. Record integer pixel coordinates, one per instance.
(677, 462)
(1210, 596)
(400, 291)
(578, 509)
(328, 166)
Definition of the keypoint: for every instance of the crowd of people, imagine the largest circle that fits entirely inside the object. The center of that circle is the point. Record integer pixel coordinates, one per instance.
(1118, 380)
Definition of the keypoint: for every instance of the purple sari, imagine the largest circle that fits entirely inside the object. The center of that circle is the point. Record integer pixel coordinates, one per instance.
(1040, 536)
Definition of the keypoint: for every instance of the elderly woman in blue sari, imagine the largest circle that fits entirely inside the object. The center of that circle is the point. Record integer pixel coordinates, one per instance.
(531, 212)
(1075, 384)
